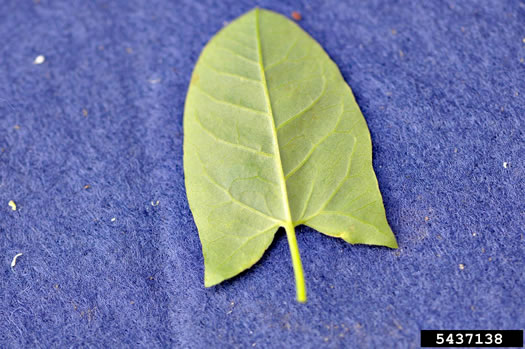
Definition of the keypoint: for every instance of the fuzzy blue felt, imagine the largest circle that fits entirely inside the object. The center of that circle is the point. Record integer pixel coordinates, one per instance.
(91, 153)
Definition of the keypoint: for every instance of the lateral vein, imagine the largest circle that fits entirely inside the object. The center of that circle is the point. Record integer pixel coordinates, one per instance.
(231, 144)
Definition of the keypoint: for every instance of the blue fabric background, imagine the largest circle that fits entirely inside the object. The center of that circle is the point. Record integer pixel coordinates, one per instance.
(442, 86)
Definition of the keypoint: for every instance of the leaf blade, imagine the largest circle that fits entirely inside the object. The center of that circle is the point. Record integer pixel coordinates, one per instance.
(279, 135)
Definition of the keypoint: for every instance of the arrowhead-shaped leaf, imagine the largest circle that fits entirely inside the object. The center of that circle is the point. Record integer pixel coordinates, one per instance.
(274, 138)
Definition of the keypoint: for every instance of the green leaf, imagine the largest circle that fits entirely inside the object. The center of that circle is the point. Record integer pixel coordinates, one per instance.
(274, 138)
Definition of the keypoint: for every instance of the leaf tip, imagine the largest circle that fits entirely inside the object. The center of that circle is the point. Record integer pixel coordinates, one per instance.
(209, 284)
(390, 241)
(211, 280)
(393, 244)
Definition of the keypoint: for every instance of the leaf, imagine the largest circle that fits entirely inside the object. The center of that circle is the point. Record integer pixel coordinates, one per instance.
(274, 138)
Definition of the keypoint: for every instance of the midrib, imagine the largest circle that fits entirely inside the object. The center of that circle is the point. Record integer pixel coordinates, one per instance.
(288, 222)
